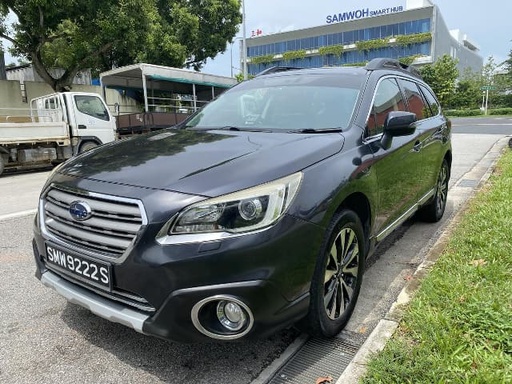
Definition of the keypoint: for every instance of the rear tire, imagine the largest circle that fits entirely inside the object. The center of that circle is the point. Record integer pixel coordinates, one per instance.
(337, 277)
(434, 211)
(87, 146)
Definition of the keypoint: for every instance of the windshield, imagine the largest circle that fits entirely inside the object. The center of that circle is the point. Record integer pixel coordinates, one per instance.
(282, 103)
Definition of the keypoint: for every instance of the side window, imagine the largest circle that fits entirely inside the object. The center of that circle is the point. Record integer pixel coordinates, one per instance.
(92, 106)
(415, 100)
(387, 98)
(432, 102)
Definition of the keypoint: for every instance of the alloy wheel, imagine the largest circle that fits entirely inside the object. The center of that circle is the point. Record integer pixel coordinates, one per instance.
(341, 273)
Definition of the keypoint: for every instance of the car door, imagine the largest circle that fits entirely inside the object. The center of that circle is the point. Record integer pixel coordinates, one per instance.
(92, 118)
(429, 127)
(398, 168)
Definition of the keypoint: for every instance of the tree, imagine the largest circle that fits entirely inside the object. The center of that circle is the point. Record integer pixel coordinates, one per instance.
(468, 92)
(75, 35)
(442, 77)
(508, 69)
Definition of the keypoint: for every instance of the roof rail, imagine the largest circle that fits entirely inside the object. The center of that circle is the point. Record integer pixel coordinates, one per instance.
(277, 69)
(381, 63)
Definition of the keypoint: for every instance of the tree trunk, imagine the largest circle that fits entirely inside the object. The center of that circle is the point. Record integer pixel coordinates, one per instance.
(64, 83)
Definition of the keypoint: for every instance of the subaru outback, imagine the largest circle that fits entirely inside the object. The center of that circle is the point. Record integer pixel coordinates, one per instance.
(256, 213)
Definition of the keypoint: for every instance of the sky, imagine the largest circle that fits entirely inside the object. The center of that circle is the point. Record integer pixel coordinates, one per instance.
(486, 23)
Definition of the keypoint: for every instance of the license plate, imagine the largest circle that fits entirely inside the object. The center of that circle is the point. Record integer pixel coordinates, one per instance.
(84, 269)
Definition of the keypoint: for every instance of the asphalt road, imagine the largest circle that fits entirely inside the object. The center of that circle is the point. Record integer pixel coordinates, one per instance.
(43, 339)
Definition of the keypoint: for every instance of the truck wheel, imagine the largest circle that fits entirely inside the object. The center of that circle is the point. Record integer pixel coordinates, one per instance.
(87, 146)
(337, 277)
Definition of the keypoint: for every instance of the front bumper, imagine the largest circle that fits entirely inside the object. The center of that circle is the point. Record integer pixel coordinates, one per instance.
(108, 309)
(269, 272)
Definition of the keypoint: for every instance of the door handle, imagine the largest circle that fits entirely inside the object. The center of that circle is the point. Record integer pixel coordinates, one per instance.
(81, 126)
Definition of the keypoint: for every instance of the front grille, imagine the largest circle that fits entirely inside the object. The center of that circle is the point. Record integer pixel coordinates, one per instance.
(111, 229)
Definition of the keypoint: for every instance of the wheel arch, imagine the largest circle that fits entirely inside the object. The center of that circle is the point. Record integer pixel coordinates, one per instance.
(84, 140)
(448, 158)
(359, 203)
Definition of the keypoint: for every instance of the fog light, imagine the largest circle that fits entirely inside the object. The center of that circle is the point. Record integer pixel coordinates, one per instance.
(231, 315)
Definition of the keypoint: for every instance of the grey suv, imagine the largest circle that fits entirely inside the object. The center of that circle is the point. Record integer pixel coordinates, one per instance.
(256, 213)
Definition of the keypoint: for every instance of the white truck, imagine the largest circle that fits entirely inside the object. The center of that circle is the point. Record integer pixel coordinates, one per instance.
(59, 126)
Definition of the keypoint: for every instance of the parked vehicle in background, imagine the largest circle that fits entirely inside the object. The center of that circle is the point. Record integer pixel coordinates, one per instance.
(256, 213)
(57, 127)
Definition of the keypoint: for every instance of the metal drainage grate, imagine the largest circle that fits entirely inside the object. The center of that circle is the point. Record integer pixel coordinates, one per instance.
(468, 183)
(317, 358)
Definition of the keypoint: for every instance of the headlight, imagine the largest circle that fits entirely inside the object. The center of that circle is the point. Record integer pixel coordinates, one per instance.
(243, 211)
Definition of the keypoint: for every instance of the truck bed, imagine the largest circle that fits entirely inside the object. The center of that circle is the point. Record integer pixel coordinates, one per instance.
(14, 133)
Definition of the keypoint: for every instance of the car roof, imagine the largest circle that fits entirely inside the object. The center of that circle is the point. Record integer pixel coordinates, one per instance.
(384, 64)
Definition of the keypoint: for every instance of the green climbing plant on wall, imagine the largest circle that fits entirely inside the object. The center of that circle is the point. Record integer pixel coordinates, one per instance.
(335, 50)
(292, 55)
(262, 59)
(366, 45)
(413, 39)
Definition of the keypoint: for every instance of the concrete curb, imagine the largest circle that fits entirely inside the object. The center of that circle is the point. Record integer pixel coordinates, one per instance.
(388, 325)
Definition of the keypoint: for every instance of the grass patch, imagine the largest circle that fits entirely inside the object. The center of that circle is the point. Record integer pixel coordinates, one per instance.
(458, 327)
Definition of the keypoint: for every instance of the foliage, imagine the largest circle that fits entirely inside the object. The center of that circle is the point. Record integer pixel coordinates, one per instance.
(463, 112)
(75, 35)
(499, 95)
(442, 76)
(408, 60)
(366, 45)
(500, 111)
(457, 327)
(468, 93)
(415, 38)
(358, 64)
(292, 55)
(262, 59)
(335, 50)
(508, 70)
(240, 77)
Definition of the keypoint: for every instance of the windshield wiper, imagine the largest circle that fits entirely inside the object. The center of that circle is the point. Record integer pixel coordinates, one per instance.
(315, 130)
(230, 128)
(225, 128)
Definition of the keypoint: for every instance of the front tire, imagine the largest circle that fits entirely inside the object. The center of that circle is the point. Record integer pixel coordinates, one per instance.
(87, 146)
(338, 276)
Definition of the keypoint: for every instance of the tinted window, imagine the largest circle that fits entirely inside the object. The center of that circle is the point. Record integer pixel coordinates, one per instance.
(414, 99)
(432, 102)
(387, 98)
(92, 106)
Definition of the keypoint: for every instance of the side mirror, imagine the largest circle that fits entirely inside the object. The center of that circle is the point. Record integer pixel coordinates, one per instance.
(398, 123)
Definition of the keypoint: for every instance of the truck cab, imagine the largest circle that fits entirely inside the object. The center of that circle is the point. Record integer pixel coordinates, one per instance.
(88, 118)
(57, 127)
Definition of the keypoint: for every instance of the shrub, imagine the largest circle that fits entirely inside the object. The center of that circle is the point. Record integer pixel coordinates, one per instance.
(463, 112)
(500, 111)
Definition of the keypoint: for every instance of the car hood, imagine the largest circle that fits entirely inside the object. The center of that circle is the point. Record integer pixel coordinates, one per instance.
(203, 163)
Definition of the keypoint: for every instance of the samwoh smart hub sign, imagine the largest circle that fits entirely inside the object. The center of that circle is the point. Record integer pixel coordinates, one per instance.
(362, 12)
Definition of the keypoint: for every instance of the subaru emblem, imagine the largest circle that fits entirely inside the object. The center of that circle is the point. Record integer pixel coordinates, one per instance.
(80, 210)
